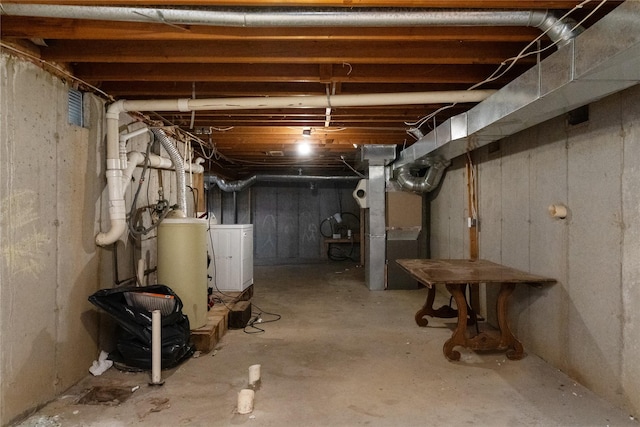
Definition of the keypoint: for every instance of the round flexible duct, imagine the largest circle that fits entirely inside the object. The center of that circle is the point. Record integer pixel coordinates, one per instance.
(421, 184)
(304, 17)
(174, 155)
(242, 184)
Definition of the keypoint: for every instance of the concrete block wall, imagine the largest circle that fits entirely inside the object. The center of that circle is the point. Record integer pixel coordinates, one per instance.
(587, 324)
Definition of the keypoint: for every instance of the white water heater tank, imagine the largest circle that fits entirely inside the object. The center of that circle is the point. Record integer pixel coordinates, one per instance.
(182, 264)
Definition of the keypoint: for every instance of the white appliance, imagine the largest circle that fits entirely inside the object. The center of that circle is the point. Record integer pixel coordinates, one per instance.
(231, 266)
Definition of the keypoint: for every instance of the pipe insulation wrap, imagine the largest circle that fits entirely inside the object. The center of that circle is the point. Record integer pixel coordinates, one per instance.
(298, 17)
(179, 167)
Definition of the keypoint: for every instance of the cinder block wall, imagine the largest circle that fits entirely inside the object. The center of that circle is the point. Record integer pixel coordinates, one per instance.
(588, 324)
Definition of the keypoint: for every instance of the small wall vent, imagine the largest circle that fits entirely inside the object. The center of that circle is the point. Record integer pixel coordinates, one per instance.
(76, 109)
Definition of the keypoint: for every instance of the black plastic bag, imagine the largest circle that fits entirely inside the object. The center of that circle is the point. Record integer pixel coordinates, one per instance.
(129, 308)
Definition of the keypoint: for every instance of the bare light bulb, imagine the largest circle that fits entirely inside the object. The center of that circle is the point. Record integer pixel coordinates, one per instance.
(304, 149)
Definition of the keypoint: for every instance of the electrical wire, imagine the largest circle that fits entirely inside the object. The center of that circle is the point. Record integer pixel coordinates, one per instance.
(258, 319)
(194, 191)
(523, 53)
(58, 69)
(351, 167)
(513, 60)
(132, 229)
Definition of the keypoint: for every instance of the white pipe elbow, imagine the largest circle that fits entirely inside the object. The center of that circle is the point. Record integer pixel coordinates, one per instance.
(117, 229)
(118, 224)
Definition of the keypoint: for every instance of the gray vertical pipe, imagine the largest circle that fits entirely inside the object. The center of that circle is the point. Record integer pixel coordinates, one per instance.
(235, 207)
(376, 234)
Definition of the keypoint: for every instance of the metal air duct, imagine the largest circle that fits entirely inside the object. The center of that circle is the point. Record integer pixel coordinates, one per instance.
(559, 31)
(242, 184)
(421, 184)
(603, 60)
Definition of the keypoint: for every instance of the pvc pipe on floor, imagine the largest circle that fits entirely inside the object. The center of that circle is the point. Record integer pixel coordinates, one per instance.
(156, 346)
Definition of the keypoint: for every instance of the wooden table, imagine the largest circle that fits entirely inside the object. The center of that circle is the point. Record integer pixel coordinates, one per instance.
(354, 239)
(456, 274)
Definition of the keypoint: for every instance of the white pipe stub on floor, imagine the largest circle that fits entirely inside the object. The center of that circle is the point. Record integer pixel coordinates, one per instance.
(245, 401)
(156, 346)
(254, 376)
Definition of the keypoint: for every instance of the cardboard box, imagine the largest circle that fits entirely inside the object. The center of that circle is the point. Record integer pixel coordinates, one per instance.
(404, 209)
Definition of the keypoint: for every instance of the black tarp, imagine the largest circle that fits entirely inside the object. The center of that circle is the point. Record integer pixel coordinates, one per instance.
(133, 338)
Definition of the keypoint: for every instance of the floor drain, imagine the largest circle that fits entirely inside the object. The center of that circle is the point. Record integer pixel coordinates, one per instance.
(110, 396)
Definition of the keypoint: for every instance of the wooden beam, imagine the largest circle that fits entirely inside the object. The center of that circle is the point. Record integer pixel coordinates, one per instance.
(293, 52)
(298, 73)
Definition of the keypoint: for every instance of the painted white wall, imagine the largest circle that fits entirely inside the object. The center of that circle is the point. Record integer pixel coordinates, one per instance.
(587, 324)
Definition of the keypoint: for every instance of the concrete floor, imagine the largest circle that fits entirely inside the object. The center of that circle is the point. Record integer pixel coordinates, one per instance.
(341, 356)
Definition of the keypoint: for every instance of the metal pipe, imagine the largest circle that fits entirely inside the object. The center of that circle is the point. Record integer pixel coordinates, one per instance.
(232, 186)
(304, 17)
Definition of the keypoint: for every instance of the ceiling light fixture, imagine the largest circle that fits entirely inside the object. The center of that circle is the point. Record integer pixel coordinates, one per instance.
(304, 148)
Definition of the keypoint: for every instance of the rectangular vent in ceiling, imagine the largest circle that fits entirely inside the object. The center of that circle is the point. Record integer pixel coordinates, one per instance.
(275, 153)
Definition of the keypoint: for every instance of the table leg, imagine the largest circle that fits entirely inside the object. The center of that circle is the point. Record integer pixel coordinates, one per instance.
(427, 309)
(459, 336)
(507, 339)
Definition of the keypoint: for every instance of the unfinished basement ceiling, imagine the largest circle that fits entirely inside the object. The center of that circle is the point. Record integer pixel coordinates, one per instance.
(166, 60)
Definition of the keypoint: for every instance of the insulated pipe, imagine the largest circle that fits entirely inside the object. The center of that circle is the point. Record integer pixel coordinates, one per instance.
(316, 101)
(559, 32)
(179, 166)
(423, 184)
